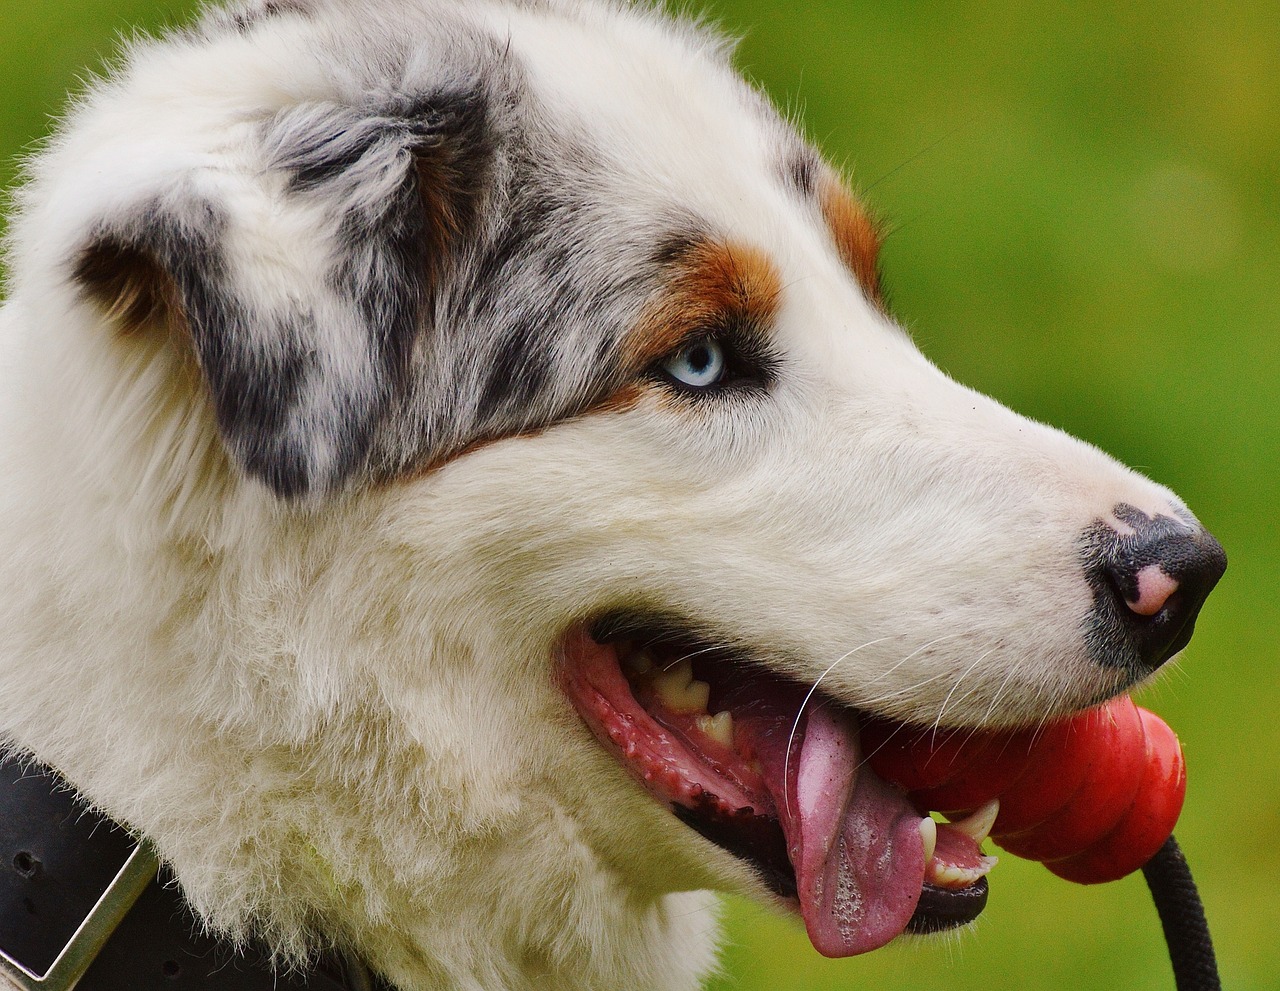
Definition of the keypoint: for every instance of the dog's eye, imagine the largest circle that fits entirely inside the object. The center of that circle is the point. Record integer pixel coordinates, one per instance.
(698, 365)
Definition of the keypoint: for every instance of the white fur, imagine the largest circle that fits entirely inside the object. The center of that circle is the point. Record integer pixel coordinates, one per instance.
(341, 720)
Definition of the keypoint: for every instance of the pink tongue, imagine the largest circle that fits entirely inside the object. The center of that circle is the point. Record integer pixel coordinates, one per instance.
(854, 841)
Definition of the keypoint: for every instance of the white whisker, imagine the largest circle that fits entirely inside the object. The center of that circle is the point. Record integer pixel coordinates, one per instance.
(923, 647)
(1014, 668)
(786, 760)
(908, 690)
(937, 723)
(708, 649)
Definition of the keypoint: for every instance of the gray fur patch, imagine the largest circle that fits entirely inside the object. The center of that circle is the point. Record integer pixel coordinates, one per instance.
(481, 270)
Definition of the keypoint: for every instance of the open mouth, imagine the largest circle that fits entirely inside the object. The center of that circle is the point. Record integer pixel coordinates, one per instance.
(775, 774)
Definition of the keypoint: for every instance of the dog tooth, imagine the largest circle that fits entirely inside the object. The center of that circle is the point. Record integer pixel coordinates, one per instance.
(692, 698)
(929, 836)
(977, 826)
(951, 876)
(678, 674)
(697, 695)
(948, 876)
(638, 660)
(719, 727)
(677, 690)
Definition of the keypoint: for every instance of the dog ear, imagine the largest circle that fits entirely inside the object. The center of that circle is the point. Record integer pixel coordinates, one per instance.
(303, 279)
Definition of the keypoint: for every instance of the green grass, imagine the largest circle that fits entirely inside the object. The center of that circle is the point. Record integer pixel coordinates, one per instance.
(1086, 224)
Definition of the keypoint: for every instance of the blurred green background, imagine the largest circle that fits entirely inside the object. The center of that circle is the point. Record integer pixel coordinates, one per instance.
(1085, 209)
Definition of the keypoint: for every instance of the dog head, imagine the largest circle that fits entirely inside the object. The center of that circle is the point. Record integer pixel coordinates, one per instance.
(426, 373)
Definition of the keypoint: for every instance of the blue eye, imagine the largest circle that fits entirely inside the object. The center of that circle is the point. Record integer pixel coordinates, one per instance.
(699, 364)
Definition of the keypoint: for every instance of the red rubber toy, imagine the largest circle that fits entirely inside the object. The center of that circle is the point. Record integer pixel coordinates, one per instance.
(1093, 797)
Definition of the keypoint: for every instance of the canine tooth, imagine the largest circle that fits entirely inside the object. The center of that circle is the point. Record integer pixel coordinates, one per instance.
(929, 835)
(677, 690)
(978, 825)
(719, 727)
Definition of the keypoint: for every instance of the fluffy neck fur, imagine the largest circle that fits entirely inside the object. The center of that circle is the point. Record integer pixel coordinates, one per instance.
(323, 750)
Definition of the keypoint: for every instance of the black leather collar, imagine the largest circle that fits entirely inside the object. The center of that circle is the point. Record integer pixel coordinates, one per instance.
(57, 858)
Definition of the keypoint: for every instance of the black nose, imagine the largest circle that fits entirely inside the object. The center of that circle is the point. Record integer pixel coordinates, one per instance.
(1149, 583)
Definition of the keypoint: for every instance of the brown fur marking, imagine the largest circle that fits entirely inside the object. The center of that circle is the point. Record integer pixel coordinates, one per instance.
(856, 235)
(713, 285)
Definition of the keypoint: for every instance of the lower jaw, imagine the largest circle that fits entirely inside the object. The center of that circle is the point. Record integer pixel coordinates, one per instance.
(943, 909)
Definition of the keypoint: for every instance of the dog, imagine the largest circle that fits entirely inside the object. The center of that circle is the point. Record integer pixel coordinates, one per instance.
(463, 486)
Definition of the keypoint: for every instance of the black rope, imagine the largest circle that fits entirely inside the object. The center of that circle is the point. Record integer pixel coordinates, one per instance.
(1182, 915)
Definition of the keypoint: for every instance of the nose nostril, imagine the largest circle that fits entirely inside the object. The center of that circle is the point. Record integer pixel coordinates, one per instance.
(1149, 584)
(1155, 590)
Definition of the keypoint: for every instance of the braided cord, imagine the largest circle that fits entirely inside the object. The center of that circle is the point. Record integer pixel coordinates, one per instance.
(1182, 915)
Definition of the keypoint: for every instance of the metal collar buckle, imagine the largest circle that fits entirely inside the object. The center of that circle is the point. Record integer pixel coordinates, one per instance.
(92, 933)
